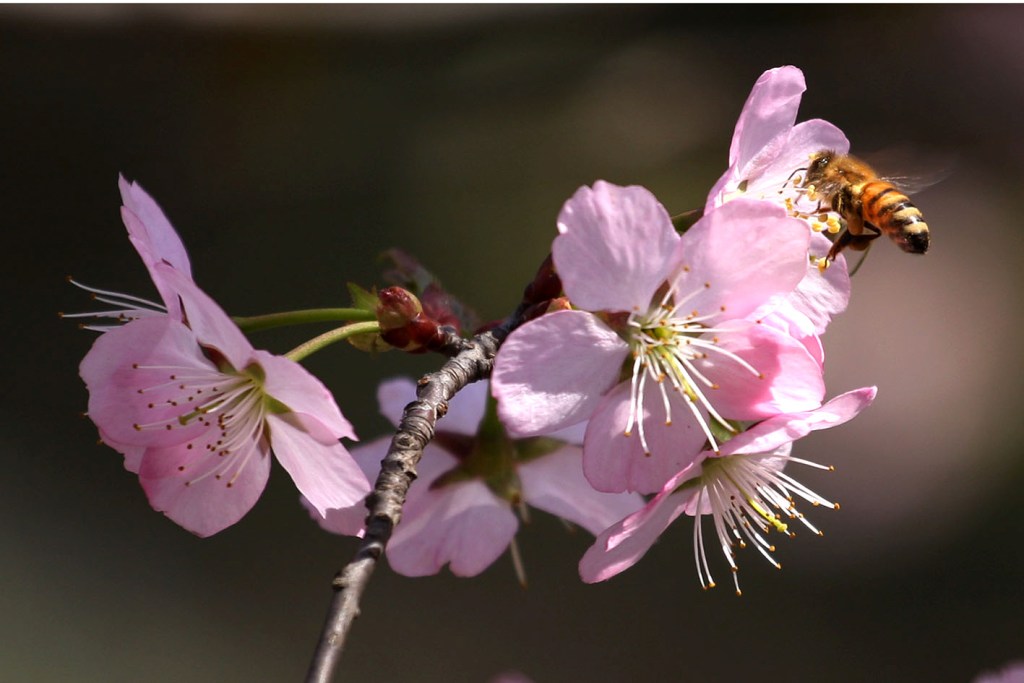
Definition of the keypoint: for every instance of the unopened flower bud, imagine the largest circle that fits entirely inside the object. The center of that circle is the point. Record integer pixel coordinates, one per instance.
(396, 308)
(403, 323)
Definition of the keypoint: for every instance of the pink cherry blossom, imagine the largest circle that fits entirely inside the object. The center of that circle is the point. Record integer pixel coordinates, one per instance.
(743, 488)
(768, 144)
(156, 241)
(1011, 673)
(199, 411)
(511, 677)
(664, 346)
(768, 148)
(460, 511)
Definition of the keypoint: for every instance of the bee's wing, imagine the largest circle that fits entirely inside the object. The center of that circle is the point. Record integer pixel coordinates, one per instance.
(912, 170)
(919, 182)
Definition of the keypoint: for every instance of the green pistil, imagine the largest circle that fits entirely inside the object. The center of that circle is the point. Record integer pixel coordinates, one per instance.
(660, 333)
(671, 362)
(766, 515)
(724, 432)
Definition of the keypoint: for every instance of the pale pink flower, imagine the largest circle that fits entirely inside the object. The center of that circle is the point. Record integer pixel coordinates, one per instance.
(743, 488)
(156, 241)
(511, 677)
(200, 411)
(663, 346)
(460, 510)
(766, 152)
(1011, 673)
(768, 144)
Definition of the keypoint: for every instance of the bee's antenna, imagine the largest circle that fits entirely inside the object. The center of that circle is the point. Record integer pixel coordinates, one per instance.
(790, 177)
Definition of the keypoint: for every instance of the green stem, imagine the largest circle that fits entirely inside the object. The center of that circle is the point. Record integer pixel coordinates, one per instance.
(254, 323)
(336, 335)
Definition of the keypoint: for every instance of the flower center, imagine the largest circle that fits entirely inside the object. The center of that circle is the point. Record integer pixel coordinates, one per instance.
(224, 411)
(667, 344)
(820, 217)
(748, 496)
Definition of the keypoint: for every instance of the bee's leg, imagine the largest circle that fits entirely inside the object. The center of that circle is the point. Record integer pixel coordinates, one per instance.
(863, 258)
(856, 242)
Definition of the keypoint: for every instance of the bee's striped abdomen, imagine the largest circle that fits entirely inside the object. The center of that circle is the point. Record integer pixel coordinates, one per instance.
(893, 213)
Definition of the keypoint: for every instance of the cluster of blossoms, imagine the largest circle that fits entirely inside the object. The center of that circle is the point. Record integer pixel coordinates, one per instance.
(674, 376)
(694, 359)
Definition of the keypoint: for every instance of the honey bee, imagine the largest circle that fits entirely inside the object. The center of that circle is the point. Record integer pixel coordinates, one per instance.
(867, 203)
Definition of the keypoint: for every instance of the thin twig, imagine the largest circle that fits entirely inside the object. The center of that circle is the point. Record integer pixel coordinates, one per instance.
(471, 361)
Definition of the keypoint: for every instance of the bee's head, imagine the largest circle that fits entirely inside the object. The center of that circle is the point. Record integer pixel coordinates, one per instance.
(819, 162)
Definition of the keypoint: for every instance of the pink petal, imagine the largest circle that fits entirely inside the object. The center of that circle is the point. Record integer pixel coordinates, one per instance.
(393, 396)
(291, 384)
(346, 521)
(149, 230)
(465, 410)
(778, 430)
(212, 326)
(613, 462)
(573, 434)
(792, 379)
(768, 171)
(349, 520)
(550, 373)
(181, 484)
(132, 454)
(820, 296)
(622, 545)
(1012, 672)
(128, 360)
(612, 234)
(792, 323)
(325, 474)
(739, 255)
(132, 457)
(770, 110)
(761, 133)
(462, 524)
(813, 135)
(808, 309)
(555, 484)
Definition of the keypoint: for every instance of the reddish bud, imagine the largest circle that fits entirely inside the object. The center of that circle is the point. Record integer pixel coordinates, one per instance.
(396, 308)
(403, 323)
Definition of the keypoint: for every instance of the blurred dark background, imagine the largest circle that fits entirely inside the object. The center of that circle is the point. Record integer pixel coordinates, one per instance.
(291, 145)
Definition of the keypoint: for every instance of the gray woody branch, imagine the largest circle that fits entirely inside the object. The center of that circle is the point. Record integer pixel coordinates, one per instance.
(470, 361)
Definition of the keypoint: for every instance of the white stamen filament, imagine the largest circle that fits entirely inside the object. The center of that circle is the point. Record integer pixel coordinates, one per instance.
(699, 556)
(748, 497)
(232, 412)
(126, 307)
(666, 343)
